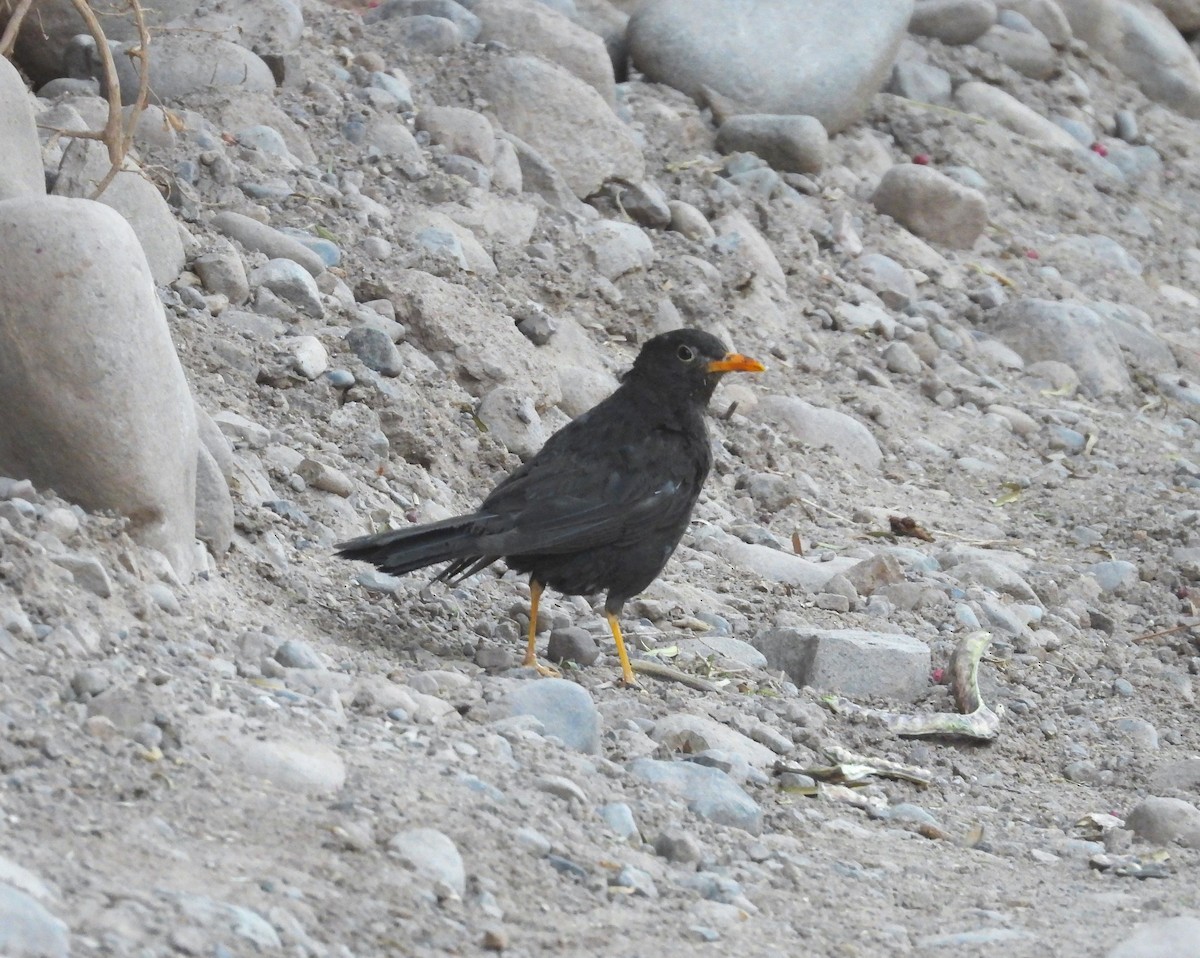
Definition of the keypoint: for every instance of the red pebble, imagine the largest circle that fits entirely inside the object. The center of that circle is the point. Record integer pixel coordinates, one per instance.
(938, 675)
(921, 159)
(1099, 149)
(1032, 254)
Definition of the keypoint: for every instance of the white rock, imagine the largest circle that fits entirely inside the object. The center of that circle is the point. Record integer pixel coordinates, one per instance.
(78, 291)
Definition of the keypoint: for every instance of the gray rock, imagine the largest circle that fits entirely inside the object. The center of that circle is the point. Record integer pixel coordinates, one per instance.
(187, 62)
(793, 144)
(1141, 42)
(222, 272)
(822, 429)
(430, 35)
(742, 654)
(266, 239)
(295, 654)
(1028, 53)
(460, 131)
(214, 504)
(1165, 820)
(773, 564)
(198, 913)
(566, 121)
(572, 644)
(511, 419)
(1114, 574)
(932, 205)
(619, 817)
(922, 82)
(292, 765)
(432, 855)
(1011, 113)
(565, 709)
(242, 429)
(618, 248)
(708, 792)
(1162, 938)
(100, 443)
(28, 930)
(691, 734)
(890, 281)
(901, 358)
(538, 29)
(952, 21)
(645, 203)
(825, 59)
(20, 153)
(460, 15)
(292, 283)
(1046, 16)
(85, 163)
(851, 662)
(376, 350)
(1065, 331)
(678, 845)
(690, 222)
(88, 573)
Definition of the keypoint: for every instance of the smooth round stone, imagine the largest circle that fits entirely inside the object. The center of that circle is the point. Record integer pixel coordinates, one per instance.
(340, 378)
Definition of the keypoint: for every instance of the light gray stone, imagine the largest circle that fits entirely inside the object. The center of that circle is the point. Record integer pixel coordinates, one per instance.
(28, 930)
(691, 734)
(1141, 42)
(431, 854)
(512, 420)
(822, 429)
(1012, 114)
(533, 27)
(1165, 820)
(20, 153)
(214, 504)
(85, 163)
(460, 131)
(78, 291)
(825, 58)
(564, 708)
(188, 62)
(1029, 54)
(850, 662)
(1065, 331)
(922, 82)
(708, 792)
(1047, 17)
(792, 144)
(932, 205)
(563, 119)
(292, 283)
(952, 21)
(618, 248)
(1162, 938)
(267, 240)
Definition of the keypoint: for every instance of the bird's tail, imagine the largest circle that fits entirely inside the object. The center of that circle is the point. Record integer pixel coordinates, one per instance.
(454, 540)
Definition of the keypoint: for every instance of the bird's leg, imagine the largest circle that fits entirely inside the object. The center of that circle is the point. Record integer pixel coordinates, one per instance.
(535, 595)
(627, 676)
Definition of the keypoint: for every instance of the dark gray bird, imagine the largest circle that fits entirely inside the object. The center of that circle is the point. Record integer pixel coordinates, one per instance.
(604, 503)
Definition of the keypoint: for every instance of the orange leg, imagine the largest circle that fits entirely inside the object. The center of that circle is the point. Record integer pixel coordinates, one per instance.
(627, 676)
(535, 595)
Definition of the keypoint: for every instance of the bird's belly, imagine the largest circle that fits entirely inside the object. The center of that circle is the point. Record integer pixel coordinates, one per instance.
(621, 571)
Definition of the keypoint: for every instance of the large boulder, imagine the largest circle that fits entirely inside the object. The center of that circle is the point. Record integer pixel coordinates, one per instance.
(20, 153)
(96, 404)
(822, 58)
(1139, 40)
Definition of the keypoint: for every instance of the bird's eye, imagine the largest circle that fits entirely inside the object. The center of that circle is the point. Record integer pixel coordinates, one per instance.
(685, 353)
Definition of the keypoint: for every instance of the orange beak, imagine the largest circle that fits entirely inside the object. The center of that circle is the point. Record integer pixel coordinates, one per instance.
(736, 363)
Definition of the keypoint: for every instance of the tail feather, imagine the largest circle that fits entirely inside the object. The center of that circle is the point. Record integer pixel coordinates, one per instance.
(398, 551)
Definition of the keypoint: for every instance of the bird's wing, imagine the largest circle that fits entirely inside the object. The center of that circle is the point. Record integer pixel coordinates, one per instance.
(592, 490)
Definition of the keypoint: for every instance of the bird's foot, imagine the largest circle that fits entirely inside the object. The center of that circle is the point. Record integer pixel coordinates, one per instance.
(545, 671)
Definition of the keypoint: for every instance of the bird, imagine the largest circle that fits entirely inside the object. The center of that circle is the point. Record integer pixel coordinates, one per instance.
(603, 504)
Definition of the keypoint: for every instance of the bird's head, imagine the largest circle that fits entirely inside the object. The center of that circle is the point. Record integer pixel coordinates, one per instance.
(687, 363)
